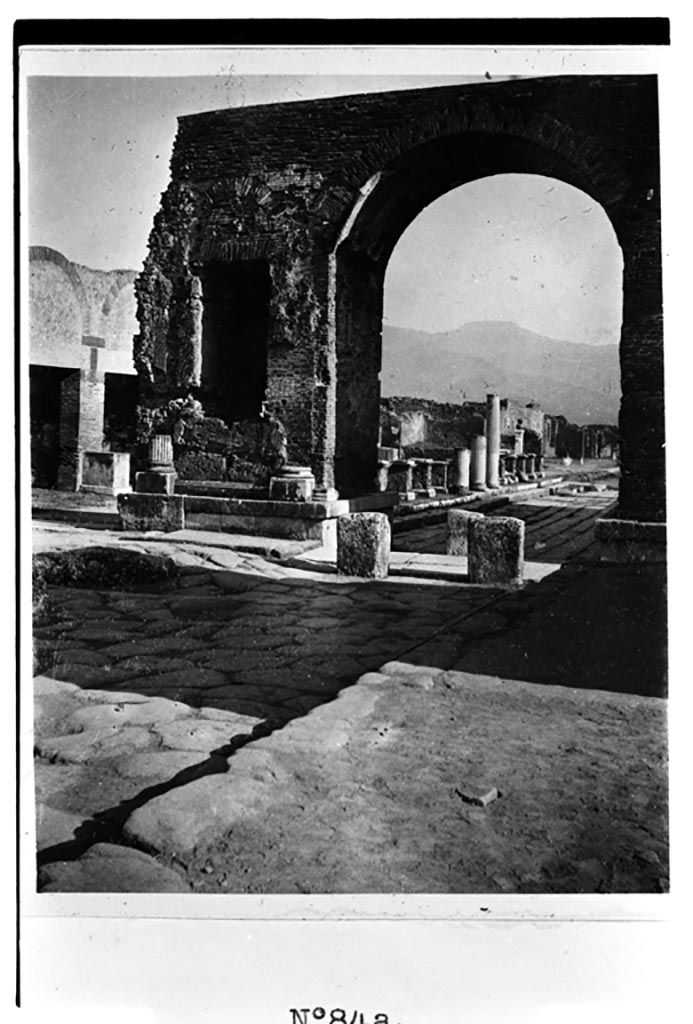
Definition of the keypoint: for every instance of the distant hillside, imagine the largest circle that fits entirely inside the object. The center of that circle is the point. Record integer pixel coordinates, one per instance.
(580, 382)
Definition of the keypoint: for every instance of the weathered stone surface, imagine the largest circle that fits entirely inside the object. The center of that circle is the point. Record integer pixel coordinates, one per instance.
(54, 826)
(496, 550)
(458, 530)
(363, 545)
(119, 714)
(151, 512)
(196, 735)
(158, 765)
(46, 685)
(179, 819)
(106, 867)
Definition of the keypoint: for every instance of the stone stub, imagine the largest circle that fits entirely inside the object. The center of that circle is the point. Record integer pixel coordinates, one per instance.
(104, 472)
(496, 549)
(144, 512)
(457, 539)
(363, 545)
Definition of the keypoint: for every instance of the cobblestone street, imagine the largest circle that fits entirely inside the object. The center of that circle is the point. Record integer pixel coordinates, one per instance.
(165, 711)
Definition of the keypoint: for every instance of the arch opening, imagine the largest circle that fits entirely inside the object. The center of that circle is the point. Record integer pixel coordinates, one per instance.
(434, 172)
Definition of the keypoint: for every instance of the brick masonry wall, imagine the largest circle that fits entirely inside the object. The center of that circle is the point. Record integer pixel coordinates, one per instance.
(283, 182)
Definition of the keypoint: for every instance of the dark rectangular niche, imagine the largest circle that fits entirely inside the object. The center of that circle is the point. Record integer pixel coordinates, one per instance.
(235, 325)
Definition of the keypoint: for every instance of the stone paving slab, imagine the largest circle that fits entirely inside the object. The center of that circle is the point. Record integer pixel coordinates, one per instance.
(330, 803)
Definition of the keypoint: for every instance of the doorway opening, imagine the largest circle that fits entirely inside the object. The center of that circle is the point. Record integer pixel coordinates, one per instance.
(45, 408)
(235, 326)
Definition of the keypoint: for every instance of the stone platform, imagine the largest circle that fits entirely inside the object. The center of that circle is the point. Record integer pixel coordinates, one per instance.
(295, 520)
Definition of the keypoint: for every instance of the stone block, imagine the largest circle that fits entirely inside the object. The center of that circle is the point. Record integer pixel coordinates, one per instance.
(363, 545)
(496, 549)
(457, 540)
(140, 511)
(104, 472)
(156, 481)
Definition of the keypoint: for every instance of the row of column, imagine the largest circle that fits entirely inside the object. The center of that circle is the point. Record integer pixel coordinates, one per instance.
(483, 467)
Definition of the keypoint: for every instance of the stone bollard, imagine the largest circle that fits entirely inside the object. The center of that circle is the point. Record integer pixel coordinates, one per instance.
(496, 550)
(363, 545)
(457, 540)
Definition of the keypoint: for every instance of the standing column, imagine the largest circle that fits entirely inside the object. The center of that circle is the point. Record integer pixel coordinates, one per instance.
(493, 435)
(462, 458)
(477, 471)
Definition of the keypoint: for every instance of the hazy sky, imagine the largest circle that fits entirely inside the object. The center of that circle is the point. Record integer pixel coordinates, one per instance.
(513, 247)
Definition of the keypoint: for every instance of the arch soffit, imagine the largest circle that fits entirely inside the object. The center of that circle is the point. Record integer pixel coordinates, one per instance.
(44, 254)
(596, 172)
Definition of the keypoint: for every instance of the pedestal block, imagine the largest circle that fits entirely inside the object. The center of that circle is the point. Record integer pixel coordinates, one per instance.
(294, 483)
(104, 472)
(156, 481)
(363, 545)
(151, 511)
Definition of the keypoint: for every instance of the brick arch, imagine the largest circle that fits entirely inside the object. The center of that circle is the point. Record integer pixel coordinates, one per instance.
(578, 158)
(418, 164)
(44, 254)
(328, 243)
(123, 279)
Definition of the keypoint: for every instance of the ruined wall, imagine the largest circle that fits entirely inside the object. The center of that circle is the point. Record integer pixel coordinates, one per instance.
(83, 320)
(322, 190)
(424, 423)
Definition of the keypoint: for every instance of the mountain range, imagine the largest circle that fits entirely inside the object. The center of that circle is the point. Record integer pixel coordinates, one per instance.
(581, 382)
